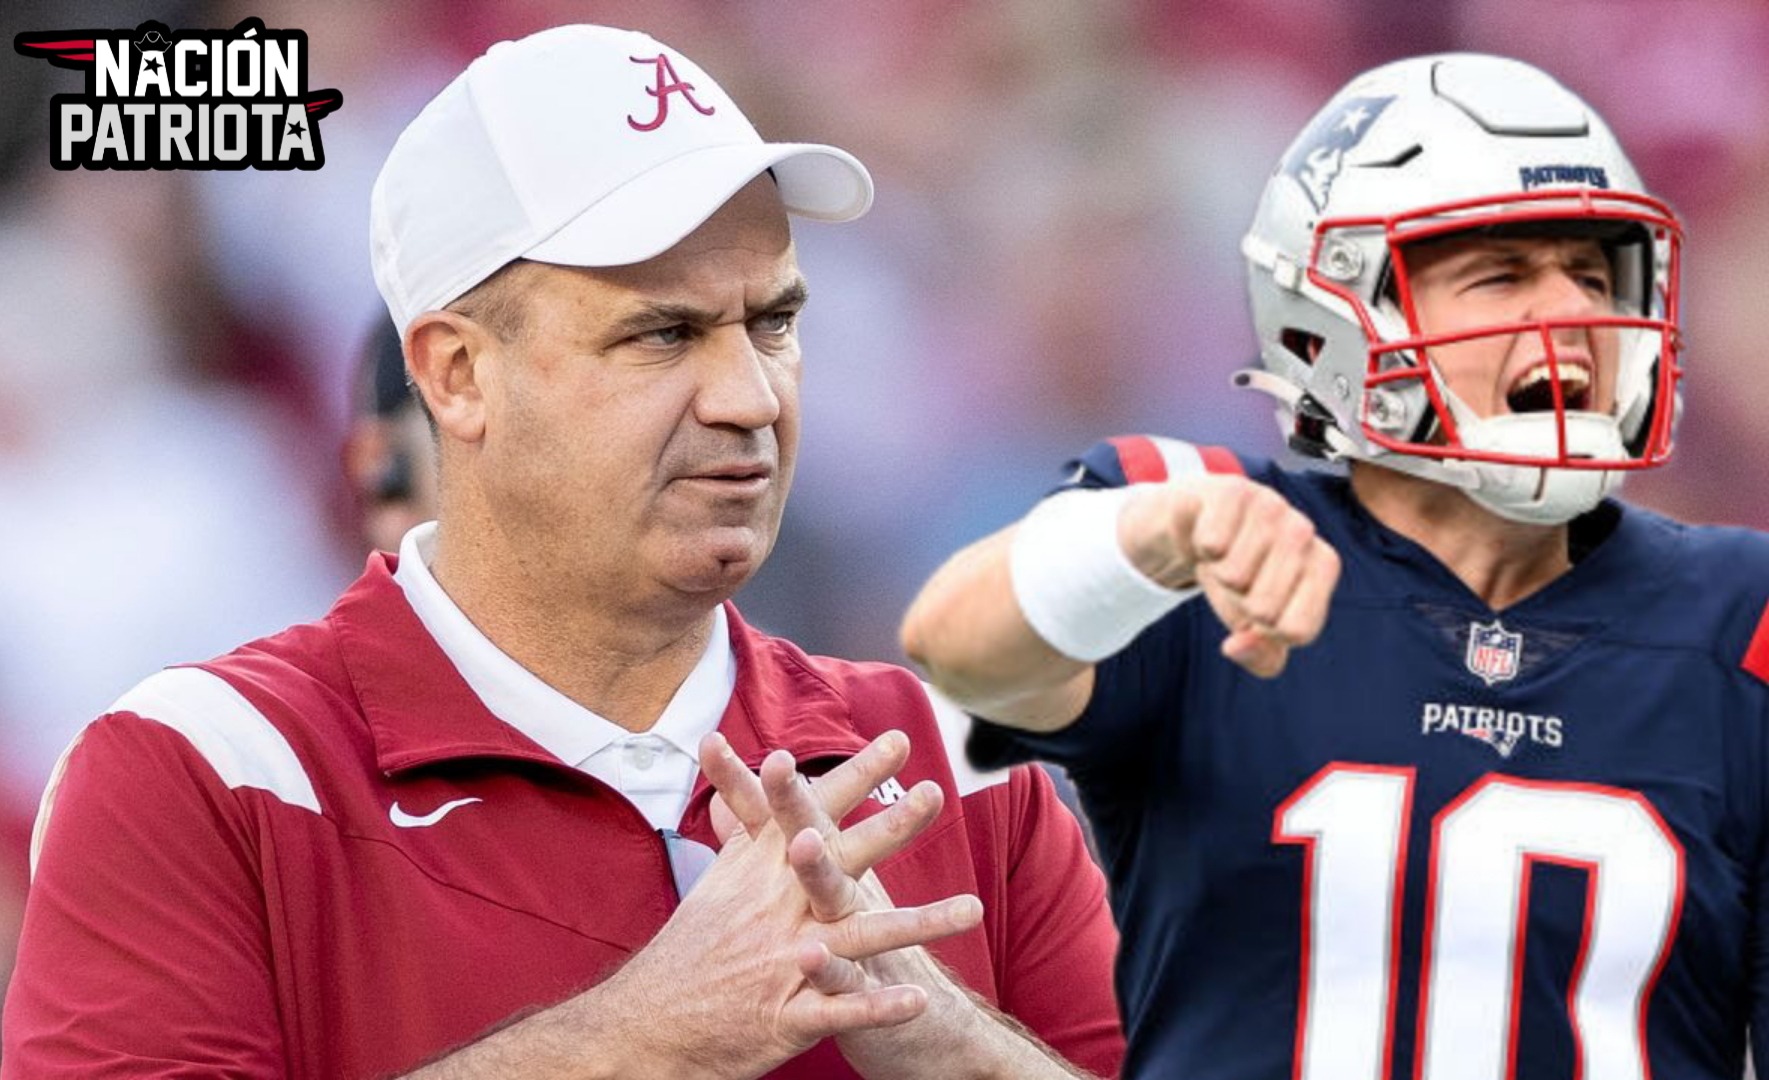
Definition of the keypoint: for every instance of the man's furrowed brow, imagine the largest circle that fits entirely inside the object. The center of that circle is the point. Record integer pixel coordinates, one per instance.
(1476, 261)
(1484, 258)
(654, 314)
(793, 295)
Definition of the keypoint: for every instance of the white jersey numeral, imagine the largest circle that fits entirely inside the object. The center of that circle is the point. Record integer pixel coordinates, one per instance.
(1352, 821)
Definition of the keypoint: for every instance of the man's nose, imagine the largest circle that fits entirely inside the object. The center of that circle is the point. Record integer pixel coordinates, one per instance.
(735, 384)
(1561, 294)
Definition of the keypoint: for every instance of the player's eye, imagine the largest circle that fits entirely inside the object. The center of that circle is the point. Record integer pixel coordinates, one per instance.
(665, 336)
(775, 323)
(1494, 281)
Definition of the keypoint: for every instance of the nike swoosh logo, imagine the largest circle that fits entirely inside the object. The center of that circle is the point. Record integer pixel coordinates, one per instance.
(412, 821)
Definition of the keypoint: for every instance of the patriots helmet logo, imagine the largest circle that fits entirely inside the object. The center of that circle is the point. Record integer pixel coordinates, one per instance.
(1504, 740)
(1318, 156)
(1494, 653)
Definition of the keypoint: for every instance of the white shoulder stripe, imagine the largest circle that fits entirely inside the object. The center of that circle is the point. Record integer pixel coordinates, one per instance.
(47, 802)
(1182, 458)
(954, 729)
(244, 748)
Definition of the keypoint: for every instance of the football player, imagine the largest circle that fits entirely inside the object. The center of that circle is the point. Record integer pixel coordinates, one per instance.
(1444, 764)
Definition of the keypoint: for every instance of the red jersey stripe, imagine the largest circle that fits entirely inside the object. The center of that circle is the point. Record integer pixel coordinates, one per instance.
(1756, 656)
(1220, 461)
(1141, 460)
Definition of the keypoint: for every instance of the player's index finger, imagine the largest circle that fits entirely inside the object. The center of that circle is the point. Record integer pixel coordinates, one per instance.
(1221, 507)
(1255, 533)
(1306, 614)
(1281, 573)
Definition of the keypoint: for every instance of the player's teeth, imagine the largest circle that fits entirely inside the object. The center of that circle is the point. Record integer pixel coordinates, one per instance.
(1571, 377)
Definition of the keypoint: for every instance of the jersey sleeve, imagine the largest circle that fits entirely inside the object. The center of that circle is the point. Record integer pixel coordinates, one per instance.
(1134, 694)
(145, 948)
(1134, 691)
(1059, 939)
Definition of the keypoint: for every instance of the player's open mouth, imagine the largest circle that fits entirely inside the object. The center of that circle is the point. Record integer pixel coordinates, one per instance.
(1534, 389)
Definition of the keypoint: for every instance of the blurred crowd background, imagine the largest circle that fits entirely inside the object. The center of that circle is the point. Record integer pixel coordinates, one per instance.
(1062, 185)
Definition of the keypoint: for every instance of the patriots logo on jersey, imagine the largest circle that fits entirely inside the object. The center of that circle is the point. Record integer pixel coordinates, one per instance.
(1504, 740)
(1501, 729)
(1493, 651)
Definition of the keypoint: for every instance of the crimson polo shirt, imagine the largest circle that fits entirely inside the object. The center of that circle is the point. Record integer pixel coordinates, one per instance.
(222, 891)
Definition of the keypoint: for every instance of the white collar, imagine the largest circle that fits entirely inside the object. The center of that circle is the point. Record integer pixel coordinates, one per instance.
(519, 698)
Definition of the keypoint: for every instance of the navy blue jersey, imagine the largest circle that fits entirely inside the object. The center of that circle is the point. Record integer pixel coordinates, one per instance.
(1446, 842)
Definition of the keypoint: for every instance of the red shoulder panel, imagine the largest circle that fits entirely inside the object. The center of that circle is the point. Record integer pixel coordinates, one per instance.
(1756, 656)
(1218, 460)
(1140, 458)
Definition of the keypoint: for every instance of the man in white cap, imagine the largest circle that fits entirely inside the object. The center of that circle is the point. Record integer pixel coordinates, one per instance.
(459, 820)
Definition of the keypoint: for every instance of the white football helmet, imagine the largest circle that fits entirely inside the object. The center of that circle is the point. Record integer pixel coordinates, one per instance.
(1424, 148)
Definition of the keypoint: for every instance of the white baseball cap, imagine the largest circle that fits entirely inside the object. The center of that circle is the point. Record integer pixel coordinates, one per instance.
(579, 145)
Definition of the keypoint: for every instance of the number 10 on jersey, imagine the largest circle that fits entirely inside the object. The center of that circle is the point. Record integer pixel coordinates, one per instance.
(1352, 822)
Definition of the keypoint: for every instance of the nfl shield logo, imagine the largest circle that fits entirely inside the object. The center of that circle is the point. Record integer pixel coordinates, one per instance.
(1493, 651)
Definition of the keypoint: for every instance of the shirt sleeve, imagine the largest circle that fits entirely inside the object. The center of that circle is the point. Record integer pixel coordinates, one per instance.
(1059, 939)
(145, 950)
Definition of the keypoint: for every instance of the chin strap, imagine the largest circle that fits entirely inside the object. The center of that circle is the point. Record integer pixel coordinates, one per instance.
(1454, 472)
(1311, 428)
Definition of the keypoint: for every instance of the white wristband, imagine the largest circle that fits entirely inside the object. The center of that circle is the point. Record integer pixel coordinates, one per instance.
(1075, 585)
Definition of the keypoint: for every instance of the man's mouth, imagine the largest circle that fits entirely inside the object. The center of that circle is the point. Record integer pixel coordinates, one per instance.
(736, 477)
(1533, 391)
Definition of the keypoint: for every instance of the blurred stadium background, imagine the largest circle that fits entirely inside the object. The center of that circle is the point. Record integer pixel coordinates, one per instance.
(1052, 258)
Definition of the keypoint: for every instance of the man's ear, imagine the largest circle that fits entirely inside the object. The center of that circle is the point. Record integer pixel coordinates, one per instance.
(449, 357)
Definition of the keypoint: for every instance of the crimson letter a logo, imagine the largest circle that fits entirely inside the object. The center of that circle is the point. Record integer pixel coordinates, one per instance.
(668, 82)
